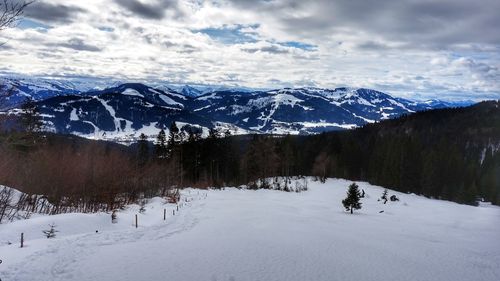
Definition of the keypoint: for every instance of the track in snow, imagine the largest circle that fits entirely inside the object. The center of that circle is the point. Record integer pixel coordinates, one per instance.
(266, 235)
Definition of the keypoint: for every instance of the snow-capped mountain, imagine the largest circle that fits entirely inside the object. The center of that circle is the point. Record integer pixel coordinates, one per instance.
(127, 110)
(198, 90)
(303, 110)
(191, 91)
(14, 92)
(121, 112)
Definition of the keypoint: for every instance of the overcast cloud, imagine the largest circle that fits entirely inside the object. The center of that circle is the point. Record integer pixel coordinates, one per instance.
(410, 48)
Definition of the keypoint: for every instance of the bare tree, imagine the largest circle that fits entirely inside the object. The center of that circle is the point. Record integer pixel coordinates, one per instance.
(11, 11)
(320, 166)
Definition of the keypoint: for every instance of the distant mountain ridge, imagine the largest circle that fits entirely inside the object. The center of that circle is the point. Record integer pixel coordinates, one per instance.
(124, 111)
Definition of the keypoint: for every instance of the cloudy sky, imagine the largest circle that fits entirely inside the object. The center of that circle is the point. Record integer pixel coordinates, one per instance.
(447, 49)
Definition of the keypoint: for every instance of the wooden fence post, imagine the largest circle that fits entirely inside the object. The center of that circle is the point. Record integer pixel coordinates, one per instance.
(164, 214)
(22, 240)
(135, 220)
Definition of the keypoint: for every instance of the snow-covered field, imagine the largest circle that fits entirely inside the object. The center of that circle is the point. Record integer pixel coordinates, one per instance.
(263, 235)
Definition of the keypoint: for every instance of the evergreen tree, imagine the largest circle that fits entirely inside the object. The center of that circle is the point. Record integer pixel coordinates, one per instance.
(31, 123)
(261, 160)
(431, 173)
(351, 202)
(142, 150)
(173, 139)
(468, 194)
(194, 135)
(160, 145)
(182, 137)
(286, 157)
(213, 133)
(30, 118)
(173, 136)
(175, 153)
(193, 153)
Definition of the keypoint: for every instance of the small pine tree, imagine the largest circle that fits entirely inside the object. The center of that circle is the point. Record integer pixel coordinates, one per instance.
(142, 150)
(384, 196)
(174, 139)
(51, 233)
(351, 202)
(161, 145)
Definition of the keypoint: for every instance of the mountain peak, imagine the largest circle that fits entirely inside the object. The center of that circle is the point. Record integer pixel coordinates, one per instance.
(128, 109)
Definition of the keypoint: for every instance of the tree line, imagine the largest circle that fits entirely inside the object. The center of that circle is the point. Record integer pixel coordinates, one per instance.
(450, 154)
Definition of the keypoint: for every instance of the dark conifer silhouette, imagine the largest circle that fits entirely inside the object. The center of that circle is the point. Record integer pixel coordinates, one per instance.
(161, 145)
(351, 202)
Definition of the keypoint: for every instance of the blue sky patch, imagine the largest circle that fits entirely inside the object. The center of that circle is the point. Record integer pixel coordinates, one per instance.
(231, 34)
(27, 24)
(298, 45)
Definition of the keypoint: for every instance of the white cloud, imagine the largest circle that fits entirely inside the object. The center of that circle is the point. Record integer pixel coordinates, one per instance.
(184, 41)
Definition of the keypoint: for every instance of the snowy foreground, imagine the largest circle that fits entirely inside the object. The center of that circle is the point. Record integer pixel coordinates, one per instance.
(263, 235)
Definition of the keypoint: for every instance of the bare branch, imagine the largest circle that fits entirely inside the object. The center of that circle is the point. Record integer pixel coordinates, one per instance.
(11, 11)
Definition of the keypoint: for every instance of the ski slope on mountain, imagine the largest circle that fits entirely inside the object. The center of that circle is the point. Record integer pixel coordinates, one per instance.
(235, 234)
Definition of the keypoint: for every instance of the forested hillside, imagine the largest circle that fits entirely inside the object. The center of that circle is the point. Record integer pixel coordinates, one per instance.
(451, 154)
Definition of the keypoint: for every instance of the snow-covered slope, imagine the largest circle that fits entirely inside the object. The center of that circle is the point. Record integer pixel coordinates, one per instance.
(14, 92)
(263, 235)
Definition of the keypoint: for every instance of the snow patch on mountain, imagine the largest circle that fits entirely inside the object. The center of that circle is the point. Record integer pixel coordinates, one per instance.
(209, 97)
(326, 124)
(74, 116)
(168, 100)
(132, 92)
